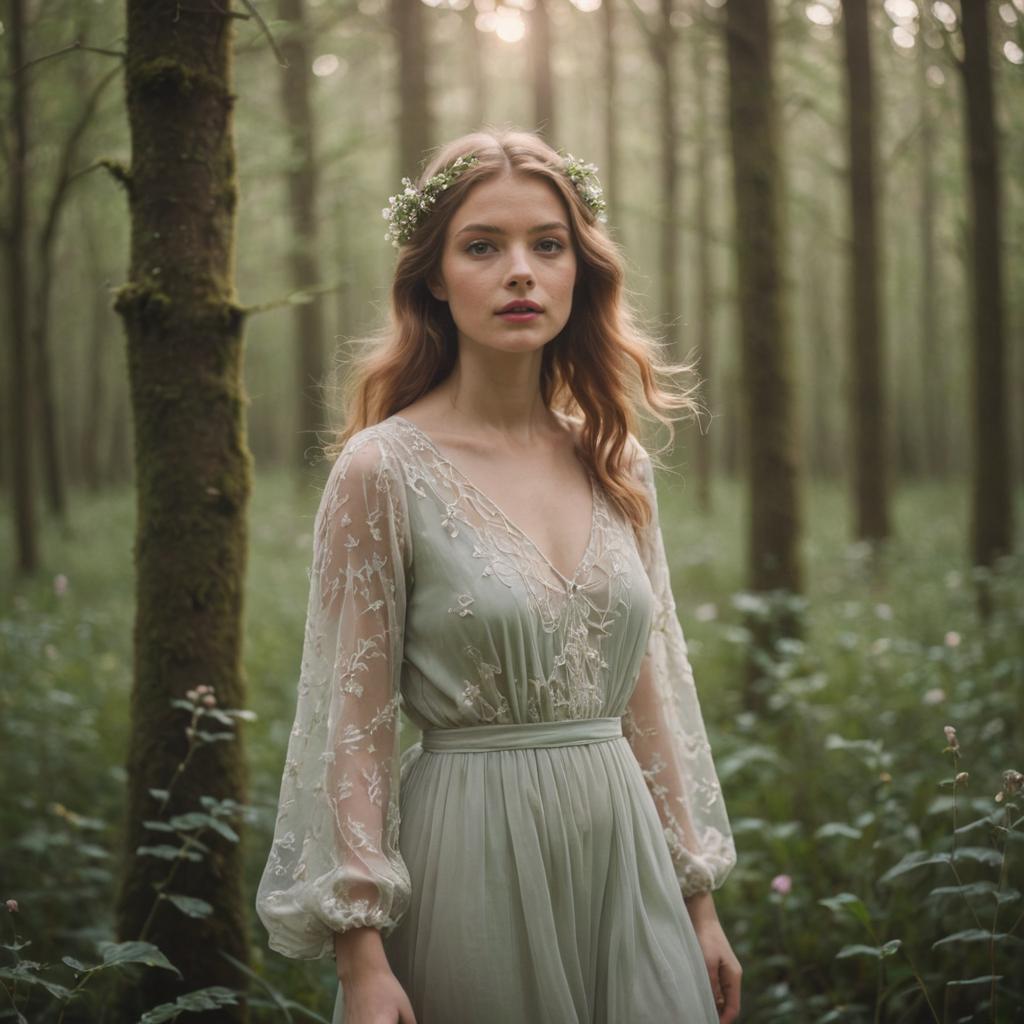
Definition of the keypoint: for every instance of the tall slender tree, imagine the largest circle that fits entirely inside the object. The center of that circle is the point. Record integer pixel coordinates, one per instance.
(866, 364)
(193, 480)
(610, 77)
(932, 349)
(303, 184)
(415, 109)
(540, 70)
(774, 517)
(992, 491)
(15, 235)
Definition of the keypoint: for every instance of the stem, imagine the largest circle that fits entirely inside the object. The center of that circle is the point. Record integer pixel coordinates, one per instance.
(161, 888)
(920, 982)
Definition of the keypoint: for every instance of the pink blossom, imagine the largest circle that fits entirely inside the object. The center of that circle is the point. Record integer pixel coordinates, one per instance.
(952, 638)
(12, 906)
(782, 884)
(209, 700)
(60, 584)
(951, 737)
(936, 695)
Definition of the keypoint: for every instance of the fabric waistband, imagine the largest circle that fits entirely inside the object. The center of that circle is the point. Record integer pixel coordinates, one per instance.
(570, 733)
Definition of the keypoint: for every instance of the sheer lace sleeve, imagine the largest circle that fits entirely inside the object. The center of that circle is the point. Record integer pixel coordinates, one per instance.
(665, 728)
(335, 862)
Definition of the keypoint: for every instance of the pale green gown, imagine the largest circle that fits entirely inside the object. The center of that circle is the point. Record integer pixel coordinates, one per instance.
(526, 862)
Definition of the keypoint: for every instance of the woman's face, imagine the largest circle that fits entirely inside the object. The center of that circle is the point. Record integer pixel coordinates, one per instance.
(508, 242)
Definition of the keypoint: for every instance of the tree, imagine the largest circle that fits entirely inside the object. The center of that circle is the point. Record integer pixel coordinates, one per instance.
(193, 477)
(15, 235)
(992, 491)
(303, 190)
(540, 70)
(867, 411)
(415, 112)
(773, 560)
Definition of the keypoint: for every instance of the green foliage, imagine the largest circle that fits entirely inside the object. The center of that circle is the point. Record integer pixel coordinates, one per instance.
(867, 875)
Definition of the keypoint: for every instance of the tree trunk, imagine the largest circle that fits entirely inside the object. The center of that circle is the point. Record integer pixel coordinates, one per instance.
(193, 480)
(992, 504)
(415, 116)
(304, 247)
(703, 285)
(540, 64)
(932, 343)
(869, 438)
(20, 368)
(473, 48)
(610, 171)
(662, 44)
(774, 570)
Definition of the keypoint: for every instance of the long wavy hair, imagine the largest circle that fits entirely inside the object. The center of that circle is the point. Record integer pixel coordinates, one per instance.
(599, 370)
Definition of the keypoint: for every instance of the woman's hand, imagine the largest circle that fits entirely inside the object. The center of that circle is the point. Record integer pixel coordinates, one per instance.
(724, 969)
(370, 991)
(376, 996)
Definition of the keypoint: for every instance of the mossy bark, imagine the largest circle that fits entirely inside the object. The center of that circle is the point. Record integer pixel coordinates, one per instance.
(869, 438)
(774, 569)
(992, 491)
(193, 478)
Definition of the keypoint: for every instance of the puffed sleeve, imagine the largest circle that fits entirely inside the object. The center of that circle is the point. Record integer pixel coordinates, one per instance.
(665, 728)
(335, 862)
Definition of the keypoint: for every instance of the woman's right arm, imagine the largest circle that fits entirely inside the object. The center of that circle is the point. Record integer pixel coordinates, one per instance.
(335, 868)
(372, 994)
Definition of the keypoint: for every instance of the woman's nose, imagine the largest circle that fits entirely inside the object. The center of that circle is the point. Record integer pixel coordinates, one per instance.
(519, 265)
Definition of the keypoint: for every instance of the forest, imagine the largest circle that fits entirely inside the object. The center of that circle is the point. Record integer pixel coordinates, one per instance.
(819, 204)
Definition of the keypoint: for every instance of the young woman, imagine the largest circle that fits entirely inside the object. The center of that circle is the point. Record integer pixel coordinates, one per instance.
(487, 555)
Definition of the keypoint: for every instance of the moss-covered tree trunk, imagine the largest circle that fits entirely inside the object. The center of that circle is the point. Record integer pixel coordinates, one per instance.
(415, 112)
(992, 491)
(193, 478)
(867, 408)
(19, 372)
(304, 242)
(773, 560)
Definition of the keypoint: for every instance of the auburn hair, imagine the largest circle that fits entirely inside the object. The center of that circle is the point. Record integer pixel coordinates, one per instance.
(599, 370)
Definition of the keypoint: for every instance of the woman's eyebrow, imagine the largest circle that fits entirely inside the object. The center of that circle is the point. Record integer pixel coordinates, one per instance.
(494, 230)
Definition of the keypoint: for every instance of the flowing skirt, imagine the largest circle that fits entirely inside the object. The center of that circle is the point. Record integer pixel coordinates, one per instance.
(542, 887)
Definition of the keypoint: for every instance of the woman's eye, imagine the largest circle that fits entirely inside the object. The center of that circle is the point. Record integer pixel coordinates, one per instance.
(557, 246)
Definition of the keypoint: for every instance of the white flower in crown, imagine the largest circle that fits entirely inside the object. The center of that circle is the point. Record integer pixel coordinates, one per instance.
(404, 211)
(584, 176)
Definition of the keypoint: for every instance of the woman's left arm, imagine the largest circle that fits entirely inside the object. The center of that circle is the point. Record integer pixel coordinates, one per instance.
(665, 728)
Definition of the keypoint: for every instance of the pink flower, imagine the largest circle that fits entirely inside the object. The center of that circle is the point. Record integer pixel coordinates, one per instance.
(209, 700)
(952, 638)
(951, 737)
(12, 906)
(782, 884)
(936, 695)
(60, 584)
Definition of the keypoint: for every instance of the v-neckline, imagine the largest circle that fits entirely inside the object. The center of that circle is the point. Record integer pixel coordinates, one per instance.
(570, 580)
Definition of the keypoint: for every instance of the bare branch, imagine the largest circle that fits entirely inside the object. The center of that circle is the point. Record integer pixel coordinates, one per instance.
(295, 298)
(76, 45)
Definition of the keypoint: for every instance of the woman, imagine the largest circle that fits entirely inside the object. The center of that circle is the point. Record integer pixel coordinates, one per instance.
(493, 564)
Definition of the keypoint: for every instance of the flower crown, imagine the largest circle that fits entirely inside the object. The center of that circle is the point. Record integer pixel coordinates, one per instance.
(406, 210)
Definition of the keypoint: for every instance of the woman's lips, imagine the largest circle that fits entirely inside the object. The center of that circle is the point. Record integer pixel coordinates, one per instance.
(520, 318)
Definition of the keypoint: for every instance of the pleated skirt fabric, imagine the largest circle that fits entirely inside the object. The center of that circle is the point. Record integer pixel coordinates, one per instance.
(542, 891)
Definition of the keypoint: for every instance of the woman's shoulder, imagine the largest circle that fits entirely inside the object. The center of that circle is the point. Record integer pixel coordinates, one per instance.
(367, 453)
